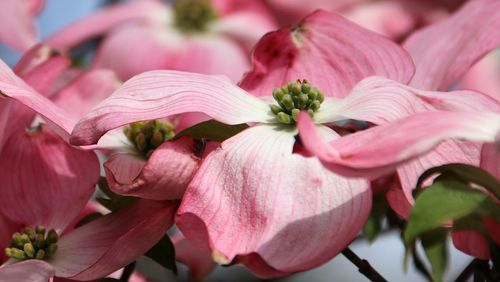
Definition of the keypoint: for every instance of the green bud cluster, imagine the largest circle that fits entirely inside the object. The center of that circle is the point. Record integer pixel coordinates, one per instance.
(33, 243)
(295, 97)
(193, 15)
(149, 135)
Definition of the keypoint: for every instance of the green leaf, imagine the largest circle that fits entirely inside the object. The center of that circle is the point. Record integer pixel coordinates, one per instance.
(434, 244)
(212, 130)
(467, 174)
(446, 200)
(163, 253)
(373, 225)
(114, 201)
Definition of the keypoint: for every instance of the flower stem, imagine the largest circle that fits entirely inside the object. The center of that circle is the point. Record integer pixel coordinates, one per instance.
(364, 266)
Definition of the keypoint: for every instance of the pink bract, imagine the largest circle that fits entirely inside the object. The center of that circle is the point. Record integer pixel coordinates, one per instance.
(147, 28)
(17, 27)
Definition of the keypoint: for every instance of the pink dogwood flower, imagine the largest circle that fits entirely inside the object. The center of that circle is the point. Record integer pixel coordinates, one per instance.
(57, 180)
(257, 194)
(206, 36)
(455, 44)
(17, 27)
(89, 252)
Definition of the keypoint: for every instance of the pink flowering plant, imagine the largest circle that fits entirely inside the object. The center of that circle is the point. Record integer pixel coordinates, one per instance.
(196, 133)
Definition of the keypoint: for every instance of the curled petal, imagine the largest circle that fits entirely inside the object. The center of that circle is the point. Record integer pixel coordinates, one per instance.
(12, 86)
(44, 180)
(112, 241)
(380, 100)
(17, 25)
(29, 270)
(158, 94)
(325, 43)
(382, 148)
(86, 91)
(102, 21)
(445, 51)
(374, 99)
(164, 176)
(253, 200)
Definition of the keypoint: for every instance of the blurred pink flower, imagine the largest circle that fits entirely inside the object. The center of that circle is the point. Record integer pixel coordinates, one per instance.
(206, 36)
(393, 18)
(17, 23)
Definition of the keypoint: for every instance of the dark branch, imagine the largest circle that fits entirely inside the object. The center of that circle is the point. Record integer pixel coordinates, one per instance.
(364, 266)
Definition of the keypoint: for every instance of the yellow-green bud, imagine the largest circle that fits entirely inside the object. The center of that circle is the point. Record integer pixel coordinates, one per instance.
(29, 250)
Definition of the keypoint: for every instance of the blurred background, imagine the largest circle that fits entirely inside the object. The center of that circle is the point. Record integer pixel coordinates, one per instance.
(385, 254)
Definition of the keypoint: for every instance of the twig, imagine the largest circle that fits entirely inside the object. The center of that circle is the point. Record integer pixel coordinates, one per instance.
(364, 266)
(467, 272)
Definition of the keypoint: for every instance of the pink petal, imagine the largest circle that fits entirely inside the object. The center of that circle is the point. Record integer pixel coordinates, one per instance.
(86, 91)
(246, 27)
(198, 261)
(445, 51)
(34, 57)
(113, 241)
(377, 100)
(152, 47)
(387, 18)
(472, 243)
(490, 159)
(325, 43)
(493, 228)
(30, 270)
(166, 93)
(164, 176)
(5, 110)
(290, 11)
(102, 21)
(17, 28)
(483, 76)
(44, 180)
(7, 228)
(399, 202)
(448, 151)
(382, 148)
(12, 86)
(212, 55)
(253, 197)
(43, 77)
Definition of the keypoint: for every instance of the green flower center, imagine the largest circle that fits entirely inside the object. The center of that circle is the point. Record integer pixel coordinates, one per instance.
(193, 15)
(295, 97)
(33, 243)
(149, 135)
